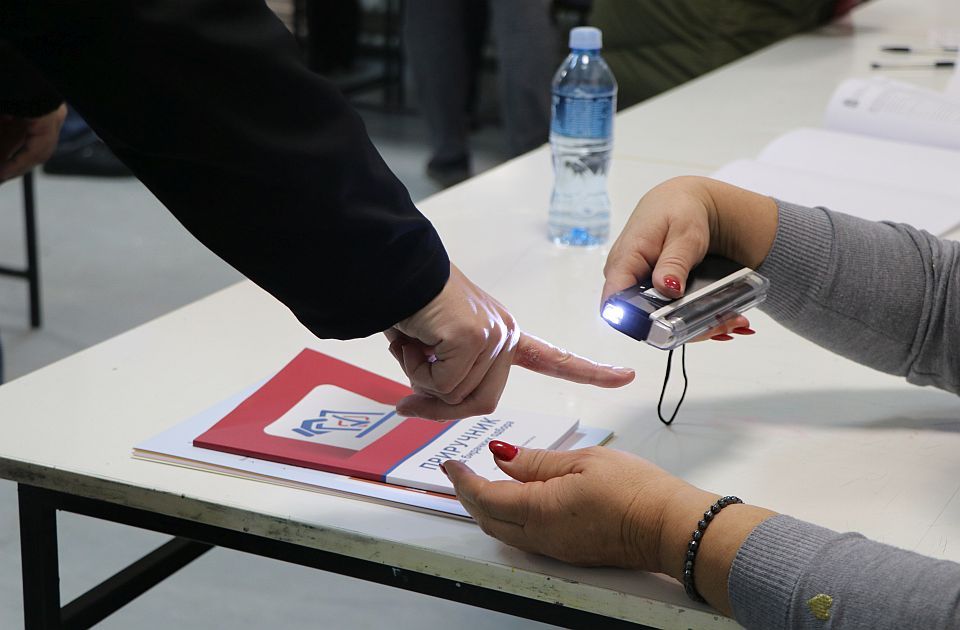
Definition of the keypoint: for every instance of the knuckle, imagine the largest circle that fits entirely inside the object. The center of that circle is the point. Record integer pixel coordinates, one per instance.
(453, 398)
(538, 463)
(530, 356)
(444, 388)
(476, 336)
(592, 452)
(486, 407)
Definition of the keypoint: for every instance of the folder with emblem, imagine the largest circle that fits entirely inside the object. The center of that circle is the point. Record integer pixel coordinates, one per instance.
(325, 414)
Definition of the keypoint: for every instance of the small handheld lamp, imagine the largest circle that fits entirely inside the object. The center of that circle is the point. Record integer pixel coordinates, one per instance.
(717, 290)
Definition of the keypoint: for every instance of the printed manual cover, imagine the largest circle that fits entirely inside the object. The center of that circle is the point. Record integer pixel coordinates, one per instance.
(322, 413)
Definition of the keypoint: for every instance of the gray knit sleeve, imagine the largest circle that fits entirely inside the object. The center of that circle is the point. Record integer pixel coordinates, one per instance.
(887, 296)
(791, 574)
(884, 295)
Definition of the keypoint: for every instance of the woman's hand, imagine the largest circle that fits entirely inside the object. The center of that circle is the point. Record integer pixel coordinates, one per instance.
(601, 507)
(593, 506)
(677, 223)
(457, 352)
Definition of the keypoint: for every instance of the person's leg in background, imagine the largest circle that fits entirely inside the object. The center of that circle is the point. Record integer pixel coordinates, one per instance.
(333, 29)
(655, 45)
(437, 48)
(526, 43)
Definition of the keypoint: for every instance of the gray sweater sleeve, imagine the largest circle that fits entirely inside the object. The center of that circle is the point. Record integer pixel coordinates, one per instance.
(884, 295)
(791, 574)
(887, 296)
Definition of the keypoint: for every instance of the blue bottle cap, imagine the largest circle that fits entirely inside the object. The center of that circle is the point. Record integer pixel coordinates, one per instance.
(586, 38)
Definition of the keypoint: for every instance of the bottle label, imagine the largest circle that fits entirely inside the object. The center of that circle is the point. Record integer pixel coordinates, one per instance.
(590, 117)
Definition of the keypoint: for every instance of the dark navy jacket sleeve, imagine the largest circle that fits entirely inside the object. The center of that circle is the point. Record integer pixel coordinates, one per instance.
(211, 106)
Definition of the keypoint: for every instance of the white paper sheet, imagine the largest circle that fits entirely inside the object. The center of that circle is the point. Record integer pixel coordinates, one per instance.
(875, 202)
(867, 177)
(883, 108)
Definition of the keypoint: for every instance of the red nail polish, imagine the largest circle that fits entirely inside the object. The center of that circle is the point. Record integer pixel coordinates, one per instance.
(721, 337)
(672, 283)
(502, 450)
(743, 330)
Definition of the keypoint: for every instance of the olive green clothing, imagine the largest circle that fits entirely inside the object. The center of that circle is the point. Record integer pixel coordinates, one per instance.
(654, 45)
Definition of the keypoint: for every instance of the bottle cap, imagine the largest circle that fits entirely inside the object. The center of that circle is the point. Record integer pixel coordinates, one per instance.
(586, 38)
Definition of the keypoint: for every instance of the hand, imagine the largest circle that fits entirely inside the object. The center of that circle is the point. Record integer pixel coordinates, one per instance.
(27, 142)
(601, 507)
(457, 352)
(592, 507)
(677, 223)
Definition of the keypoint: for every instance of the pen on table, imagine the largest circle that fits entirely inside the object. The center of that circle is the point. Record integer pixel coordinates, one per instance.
(936, 50)
(894, 66)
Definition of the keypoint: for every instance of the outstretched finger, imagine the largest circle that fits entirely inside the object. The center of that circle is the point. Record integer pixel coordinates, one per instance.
(539, 356)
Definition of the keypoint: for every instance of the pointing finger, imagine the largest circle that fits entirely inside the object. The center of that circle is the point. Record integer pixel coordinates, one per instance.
(542, 357)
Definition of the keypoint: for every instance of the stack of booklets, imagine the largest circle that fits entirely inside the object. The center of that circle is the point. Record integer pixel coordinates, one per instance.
(889, 151)
(325, 425)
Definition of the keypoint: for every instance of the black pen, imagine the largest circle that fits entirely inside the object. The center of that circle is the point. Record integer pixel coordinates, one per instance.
(894, 66)
(923, 51)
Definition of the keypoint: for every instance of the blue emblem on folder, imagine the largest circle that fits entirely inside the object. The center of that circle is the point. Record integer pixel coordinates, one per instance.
(360, 423)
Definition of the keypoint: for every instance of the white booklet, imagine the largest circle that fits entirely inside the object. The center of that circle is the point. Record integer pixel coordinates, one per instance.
(884, 156)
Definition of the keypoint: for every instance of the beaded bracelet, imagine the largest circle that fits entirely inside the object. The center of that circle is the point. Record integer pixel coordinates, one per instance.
(694, 546)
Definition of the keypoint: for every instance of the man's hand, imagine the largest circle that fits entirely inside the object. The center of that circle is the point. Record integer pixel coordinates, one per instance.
(457, 352)
(27, 142)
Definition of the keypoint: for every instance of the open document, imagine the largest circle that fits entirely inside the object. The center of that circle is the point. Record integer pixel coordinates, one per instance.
(324, 425)
(891, 152)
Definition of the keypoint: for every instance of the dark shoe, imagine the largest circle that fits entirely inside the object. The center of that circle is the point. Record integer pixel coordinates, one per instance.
(93, 159)
(449, 172)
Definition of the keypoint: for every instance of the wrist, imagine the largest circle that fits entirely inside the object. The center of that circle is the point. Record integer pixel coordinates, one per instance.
(719, 546)
(680, 515)
(743, 223)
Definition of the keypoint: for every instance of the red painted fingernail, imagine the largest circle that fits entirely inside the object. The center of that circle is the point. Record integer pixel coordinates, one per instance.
(444, 469)
(721, 337)
(504, 451)
(672, 283)
(743, 330)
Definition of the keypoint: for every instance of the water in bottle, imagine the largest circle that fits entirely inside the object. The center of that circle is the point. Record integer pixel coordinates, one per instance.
(581, 138)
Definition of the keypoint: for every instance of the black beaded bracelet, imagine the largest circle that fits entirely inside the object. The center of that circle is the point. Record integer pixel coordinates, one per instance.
(694, 546)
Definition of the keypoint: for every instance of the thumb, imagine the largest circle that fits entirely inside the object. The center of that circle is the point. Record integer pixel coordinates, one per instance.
(677, 258)
(534, 464)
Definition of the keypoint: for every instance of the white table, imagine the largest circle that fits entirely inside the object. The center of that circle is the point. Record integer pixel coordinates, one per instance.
(771, 418)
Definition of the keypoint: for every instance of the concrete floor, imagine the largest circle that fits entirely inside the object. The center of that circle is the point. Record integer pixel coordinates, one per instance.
(112, 258)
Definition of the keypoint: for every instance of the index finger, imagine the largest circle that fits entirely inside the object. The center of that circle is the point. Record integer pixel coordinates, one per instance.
(623, 267)
(545, 358)
(501, 500)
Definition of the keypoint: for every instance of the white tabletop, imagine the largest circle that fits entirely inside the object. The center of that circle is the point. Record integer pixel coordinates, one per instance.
(735, 111)
(771, 418)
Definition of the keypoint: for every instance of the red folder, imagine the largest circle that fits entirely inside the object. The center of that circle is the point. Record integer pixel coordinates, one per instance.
(242, 430)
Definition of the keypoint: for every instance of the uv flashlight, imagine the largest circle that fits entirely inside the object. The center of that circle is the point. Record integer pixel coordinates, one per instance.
(718, 290)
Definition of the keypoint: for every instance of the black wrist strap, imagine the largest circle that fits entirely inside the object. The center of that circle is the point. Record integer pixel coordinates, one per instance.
(666, 380)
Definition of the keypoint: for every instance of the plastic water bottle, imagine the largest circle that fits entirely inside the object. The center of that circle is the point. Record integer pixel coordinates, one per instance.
(581, 138)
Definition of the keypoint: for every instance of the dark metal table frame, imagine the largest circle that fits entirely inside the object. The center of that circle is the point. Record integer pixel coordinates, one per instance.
(30, 272)
(41, 571)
